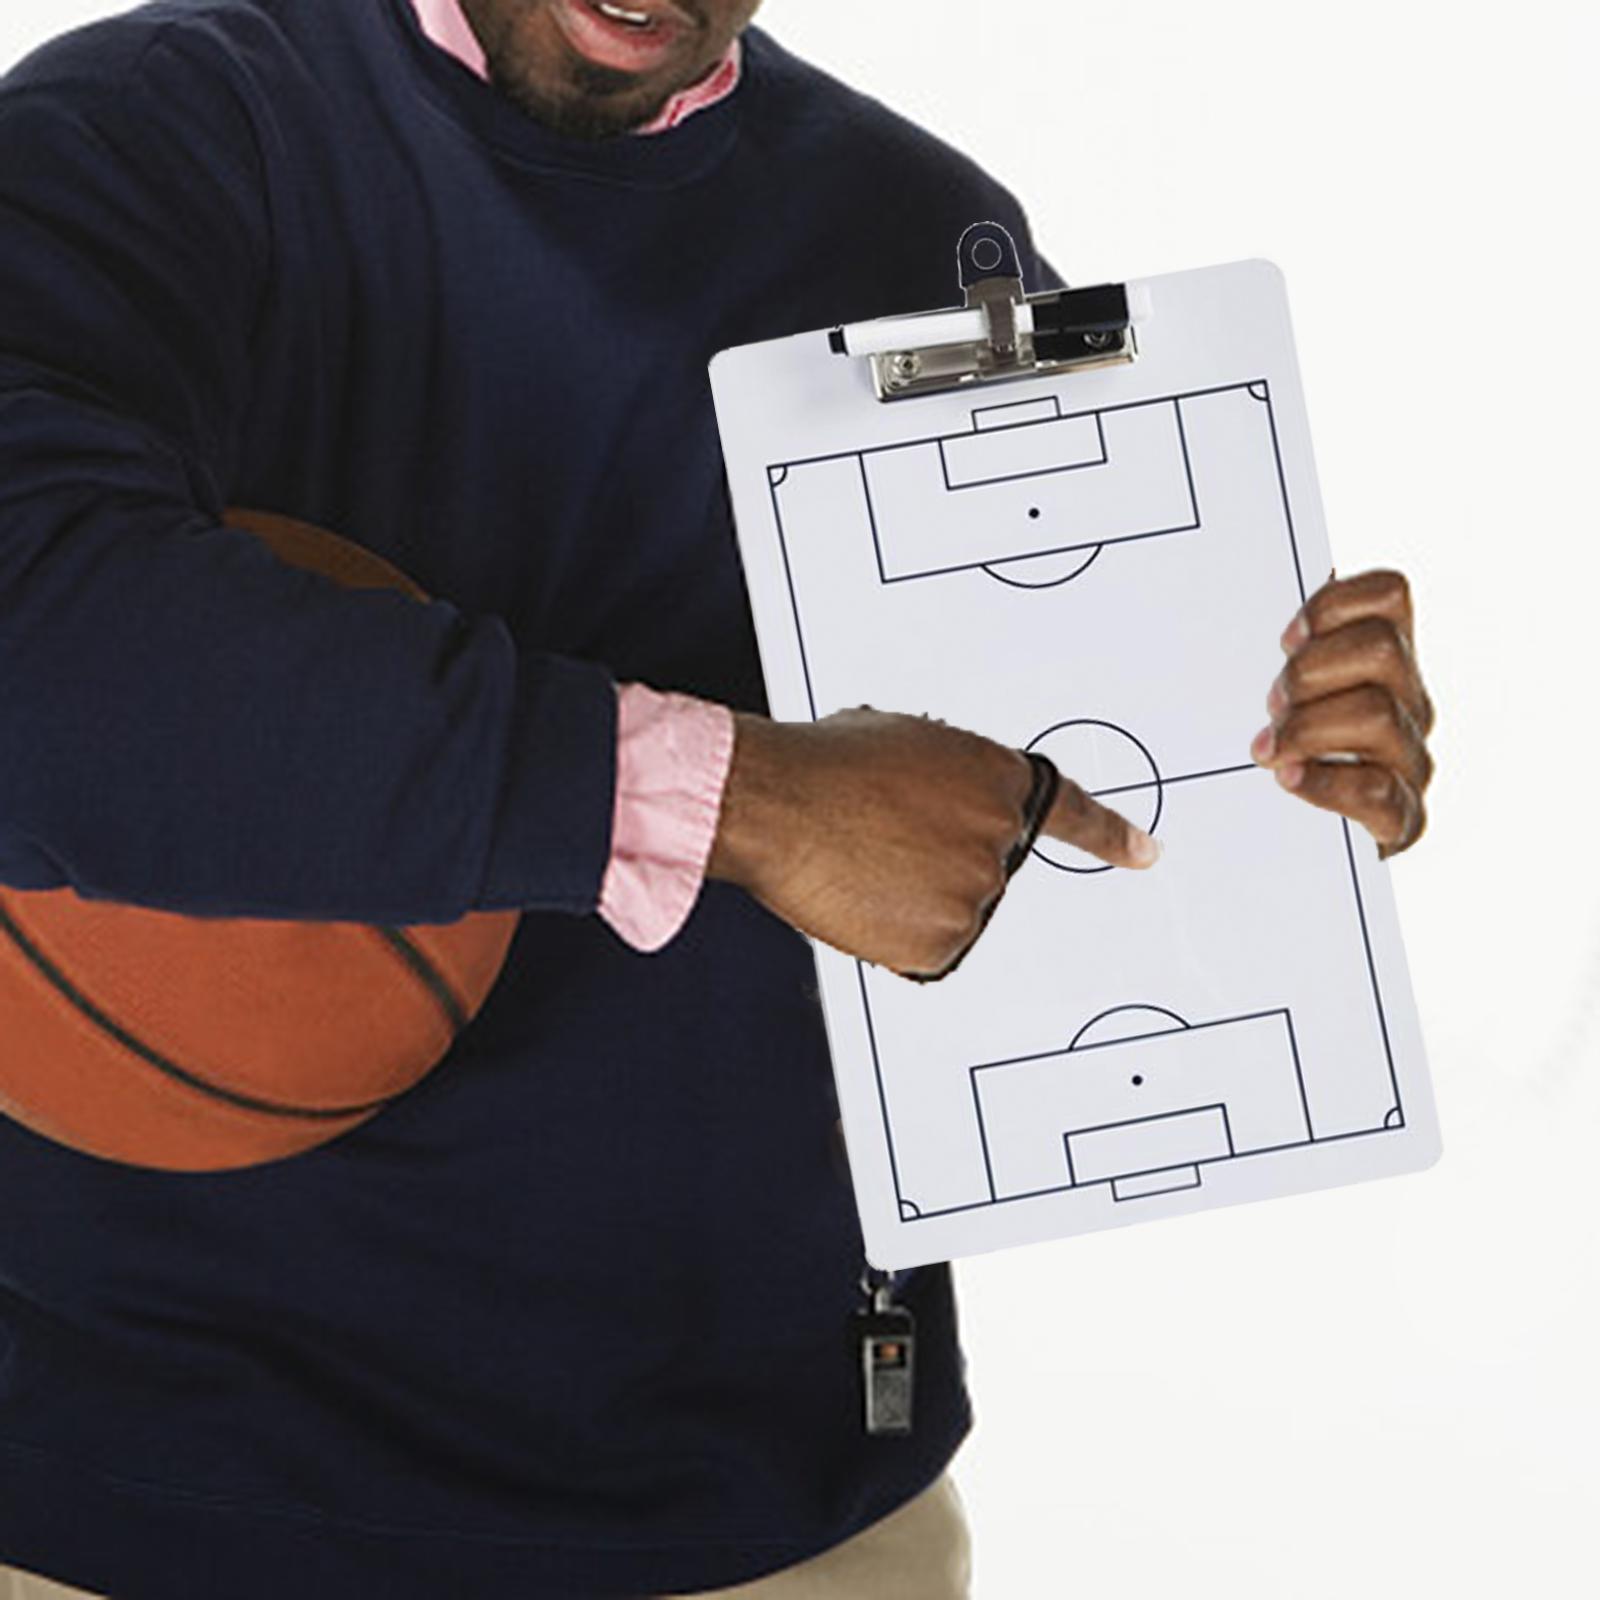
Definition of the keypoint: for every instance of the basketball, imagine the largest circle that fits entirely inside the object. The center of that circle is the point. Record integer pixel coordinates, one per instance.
(202, 1044)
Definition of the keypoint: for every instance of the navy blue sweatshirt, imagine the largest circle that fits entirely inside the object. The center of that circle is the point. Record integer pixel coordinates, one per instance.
(570, 1317)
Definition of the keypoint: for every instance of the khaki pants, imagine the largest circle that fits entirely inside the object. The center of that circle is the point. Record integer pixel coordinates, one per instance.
(920, 1552)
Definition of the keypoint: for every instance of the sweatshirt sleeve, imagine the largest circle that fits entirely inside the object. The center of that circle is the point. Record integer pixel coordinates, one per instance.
(186, 722)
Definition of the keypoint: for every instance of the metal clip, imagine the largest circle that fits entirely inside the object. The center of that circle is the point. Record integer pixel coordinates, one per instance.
(1026, 334)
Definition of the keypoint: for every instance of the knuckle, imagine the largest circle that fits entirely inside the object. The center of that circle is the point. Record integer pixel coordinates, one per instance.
(1016, 791)
(947, 956)
(955, 921)
(1402, 598)
(1294, 675)
(978, 880)
(1407, 816)
(1386, 640)
(1378, 700)
(1401, 818)
(1426, 763)
(1377, 788)
(931, 954)
(1014, 769)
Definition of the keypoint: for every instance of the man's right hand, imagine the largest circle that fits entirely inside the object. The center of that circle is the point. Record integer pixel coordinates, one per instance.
(886, 835)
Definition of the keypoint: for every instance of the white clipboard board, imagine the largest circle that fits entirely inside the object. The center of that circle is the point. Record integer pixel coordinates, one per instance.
(1078, 522)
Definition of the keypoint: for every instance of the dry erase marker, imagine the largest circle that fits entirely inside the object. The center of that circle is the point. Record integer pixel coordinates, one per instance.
(960, 325)
(964, 326)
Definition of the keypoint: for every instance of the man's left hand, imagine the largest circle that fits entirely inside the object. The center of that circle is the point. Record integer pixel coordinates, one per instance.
(1351, 686)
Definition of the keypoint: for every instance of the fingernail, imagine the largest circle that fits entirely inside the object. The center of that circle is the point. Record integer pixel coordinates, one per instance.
(1261, 745)
(1146, 849)
(1296, 633)
(1277, 696)
(1290, 774)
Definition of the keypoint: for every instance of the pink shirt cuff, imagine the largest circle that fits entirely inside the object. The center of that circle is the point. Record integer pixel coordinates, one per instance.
(673, 755)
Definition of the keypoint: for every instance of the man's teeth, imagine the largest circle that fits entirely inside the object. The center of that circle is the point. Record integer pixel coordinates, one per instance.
(637, 19)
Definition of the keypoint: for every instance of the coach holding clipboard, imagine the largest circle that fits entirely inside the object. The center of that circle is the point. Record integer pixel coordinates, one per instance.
(443, 276)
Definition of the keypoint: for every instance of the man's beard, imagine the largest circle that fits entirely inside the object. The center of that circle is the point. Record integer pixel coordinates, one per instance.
(579, 116)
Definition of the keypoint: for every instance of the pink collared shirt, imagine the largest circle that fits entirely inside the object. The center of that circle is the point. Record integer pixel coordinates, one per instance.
(673, 750)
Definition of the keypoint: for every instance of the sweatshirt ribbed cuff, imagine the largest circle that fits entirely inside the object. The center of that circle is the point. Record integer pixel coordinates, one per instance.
(552, 834)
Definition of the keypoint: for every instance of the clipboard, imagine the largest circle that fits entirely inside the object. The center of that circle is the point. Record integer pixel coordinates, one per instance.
(1077, 521)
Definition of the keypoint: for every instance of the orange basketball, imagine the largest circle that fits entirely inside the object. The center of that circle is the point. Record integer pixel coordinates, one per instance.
(199, 1044)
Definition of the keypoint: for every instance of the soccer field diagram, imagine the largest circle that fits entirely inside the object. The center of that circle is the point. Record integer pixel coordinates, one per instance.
(1107, 585)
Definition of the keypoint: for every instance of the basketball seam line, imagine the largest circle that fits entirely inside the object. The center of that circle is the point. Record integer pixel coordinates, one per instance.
(75, 997)
(432, 979)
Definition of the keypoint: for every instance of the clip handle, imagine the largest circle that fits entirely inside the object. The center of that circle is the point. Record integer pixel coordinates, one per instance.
(986, 257)
(986, 250)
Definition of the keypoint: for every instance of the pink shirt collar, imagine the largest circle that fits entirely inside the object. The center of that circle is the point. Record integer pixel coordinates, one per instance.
(446, 25)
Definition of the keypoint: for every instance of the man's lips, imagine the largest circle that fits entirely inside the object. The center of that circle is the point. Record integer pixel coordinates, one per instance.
(660, 28)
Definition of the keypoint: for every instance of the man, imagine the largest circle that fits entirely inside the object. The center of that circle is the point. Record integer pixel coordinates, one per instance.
(570, 1318)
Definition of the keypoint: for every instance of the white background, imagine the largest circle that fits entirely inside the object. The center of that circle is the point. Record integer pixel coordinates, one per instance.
(1388, 1390)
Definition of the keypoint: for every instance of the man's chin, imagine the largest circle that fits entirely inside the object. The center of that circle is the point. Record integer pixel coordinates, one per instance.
(579, 116)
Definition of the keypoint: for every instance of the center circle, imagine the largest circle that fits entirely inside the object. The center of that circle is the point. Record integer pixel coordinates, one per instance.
(1110, 764)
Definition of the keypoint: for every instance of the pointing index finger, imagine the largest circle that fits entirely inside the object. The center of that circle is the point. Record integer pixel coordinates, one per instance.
(1078, 818)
